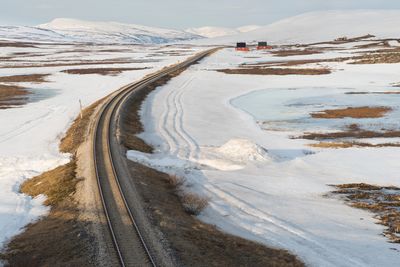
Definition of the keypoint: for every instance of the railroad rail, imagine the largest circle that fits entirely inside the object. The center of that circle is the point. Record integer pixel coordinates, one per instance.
(128, 239)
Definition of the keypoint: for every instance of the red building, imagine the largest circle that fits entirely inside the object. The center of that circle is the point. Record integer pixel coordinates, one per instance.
(242, 47)
(263, 46)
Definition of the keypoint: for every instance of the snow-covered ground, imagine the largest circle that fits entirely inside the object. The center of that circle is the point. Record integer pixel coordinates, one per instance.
(262, 185)
(29, 135)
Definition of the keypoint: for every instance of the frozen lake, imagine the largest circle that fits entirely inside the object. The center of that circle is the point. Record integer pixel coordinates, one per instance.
(289, 108)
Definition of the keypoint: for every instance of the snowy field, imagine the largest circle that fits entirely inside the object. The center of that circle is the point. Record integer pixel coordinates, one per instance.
(230, 137)
(29, 134)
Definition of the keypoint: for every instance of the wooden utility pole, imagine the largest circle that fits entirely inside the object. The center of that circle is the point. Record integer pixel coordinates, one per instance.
(81, 108)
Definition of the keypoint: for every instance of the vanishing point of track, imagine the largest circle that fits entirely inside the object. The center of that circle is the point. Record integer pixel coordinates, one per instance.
(128, 239)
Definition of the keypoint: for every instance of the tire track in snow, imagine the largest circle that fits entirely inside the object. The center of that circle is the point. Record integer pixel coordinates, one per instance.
(194, 147)
(171, 123)
(26, 126)
(191, 148)
(162, 126)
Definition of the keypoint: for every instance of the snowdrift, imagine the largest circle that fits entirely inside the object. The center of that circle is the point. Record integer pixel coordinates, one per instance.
(242, 150)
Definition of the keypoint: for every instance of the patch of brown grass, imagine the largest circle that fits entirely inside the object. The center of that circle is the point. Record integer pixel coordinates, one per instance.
(359, 186)
(353, 131)
(56, 184)
(383, 201)
(276, 71)
(77, 133)
(289, 63)
(295, 52)
(382, 57)
(351, 144)
(378, 44)
(351, 134)
(7, 91)
(332, 145)
(352, 112)
(15, 44)
(29, 78)
(101, 71)
(12, 95)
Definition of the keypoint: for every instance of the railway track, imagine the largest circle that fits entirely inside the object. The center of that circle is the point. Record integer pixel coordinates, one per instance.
(129, 241)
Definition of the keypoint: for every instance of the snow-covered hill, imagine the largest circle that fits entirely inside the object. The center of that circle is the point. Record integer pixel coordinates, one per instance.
(323, 26)
(31, 34)
(211, 32)
(67, 30)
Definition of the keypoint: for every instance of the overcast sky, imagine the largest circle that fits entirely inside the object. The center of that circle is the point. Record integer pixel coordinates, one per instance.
(178, 14)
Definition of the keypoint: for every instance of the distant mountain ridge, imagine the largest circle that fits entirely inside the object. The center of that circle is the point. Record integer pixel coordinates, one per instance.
(72, 30)
(305, 28)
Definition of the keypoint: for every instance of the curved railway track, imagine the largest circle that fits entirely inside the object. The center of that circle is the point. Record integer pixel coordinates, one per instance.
(130, 243)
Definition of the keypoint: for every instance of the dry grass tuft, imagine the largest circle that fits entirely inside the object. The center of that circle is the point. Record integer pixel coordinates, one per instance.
(176, 181)
(351, 112)
(193, 204)
(277, 71)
